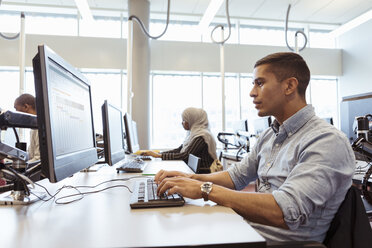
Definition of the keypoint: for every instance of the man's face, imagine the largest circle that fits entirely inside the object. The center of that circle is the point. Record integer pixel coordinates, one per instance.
(267, 92)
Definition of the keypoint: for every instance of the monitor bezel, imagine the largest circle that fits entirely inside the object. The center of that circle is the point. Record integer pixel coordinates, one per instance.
(129, 134)
(111, 157)
(53, 167)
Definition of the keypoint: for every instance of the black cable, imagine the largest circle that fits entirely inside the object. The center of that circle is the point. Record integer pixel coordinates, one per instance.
(16, 134)
(297, 32)
(20, 179)
(144, 28)
(222, 27)
(367, 194)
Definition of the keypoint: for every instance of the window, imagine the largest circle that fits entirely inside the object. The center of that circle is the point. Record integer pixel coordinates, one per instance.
(179, 31)
(10, 22)
(51, 24)
(324, 98)
(106, 85)
(102, 27)
(172, 93)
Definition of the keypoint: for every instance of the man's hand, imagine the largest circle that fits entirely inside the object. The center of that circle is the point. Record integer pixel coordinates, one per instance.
(185, 186)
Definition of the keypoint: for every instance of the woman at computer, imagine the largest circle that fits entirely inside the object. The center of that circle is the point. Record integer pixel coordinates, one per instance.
(199, 141)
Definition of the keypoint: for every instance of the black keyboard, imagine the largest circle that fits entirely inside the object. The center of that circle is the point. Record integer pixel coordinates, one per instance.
(144, 196)
(132, 166)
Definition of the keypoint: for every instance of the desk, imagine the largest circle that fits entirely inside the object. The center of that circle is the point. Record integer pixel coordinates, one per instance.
(106, 220)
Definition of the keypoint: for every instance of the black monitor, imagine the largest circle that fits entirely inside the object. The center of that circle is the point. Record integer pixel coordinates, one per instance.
(352, 107)
(131, 134)
(112, 120)
(64, 115)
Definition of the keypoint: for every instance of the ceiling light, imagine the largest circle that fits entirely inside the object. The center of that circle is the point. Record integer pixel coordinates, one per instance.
(214, 6)
(352, 24)
(84, 10)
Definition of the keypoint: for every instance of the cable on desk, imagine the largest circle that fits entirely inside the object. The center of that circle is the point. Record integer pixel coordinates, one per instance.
(82, 194)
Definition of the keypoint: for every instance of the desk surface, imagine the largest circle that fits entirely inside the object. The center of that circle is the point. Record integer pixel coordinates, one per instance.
(105, 219)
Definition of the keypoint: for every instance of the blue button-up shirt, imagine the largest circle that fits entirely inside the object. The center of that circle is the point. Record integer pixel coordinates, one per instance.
(307, 164)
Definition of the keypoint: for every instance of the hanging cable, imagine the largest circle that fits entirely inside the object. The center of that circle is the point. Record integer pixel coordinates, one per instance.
(144, 28)
(297, 32)
(222, 27)
(12, 37)
(16, 134)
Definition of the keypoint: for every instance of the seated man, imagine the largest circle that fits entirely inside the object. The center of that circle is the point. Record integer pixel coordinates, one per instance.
(304, 165)
(26, 103)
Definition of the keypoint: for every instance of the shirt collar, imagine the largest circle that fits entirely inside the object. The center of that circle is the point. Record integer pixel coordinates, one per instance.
(296, 121)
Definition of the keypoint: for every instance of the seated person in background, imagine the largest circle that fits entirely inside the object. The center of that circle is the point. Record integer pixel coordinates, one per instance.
(26, 103)
(199, 141)
(304, 165)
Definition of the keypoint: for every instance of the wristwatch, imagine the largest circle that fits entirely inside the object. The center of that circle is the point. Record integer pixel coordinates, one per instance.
(206, 188)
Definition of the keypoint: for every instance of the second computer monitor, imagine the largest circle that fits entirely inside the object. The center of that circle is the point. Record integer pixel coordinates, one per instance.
(131, 134)
(112, 120)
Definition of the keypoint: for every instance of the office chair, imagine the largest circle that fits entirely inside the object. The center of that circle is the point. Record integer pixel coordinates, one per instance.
(349, 228)
(193, 162)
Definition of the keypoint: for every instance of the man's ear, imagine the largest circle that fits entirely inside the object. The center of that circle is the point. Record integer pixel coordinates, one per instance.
(291, 85)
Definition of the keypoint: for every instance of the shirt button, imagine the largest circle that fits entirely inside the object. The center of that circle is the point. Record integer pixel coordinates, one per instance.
(268, 164)
(276, 144)
(290, 133)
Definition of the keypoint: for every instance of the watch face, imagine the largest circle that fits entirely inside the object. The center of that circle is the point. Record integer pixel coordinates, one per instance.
(207, 186)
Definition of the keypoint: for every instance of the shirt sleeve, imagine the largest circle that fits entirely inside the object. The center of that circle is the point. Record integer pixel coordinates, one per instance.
(197, 145)
(245, 171)
(325, 168)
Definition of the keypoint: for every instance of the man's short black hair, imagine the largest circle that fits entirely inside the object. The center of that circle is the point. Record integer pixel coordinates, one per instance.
(285, 65)
(26, 99)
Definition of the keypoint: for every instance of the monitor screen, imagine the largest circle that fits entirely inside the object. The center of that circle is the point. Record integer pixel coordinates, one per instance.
(261, 124)
(131, 134)
(64, 115)
(351, 107)
(112, 120)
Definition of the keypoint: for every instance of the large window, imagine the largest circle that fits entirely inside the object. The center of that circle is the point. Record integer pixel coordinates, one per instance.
(51, 24)
(172, 93)
(106, 85)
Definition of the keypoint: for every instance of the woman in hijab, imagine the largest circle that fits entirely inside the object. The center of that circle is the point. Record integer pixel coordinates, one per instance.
(199, 141)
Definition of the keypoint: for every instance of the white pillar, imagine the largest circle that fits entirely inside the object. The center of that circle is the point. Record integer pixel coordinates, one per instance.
(140, 108)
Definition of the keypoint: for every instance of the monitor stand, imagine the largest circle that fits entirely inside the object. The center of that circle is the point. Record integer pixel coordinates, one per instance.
(20, 198)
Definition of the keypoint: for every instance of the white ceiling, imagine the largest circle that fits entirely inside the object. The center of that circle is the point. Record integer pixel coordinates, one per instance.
(314, 11)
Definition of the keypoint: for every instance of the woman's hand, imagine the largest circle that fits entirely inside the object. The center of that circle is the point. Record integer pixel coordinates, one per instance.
(152, 154)
(162, 174)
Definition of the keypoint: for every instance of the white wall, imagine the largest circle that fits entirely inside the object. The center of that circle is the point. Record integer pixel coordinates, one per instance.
(85, 52)
(357, 60)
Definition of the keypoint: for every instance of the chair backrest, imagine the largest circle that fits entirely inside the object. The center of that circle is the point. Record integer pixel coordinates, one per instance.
(193, 163)
(350, 227)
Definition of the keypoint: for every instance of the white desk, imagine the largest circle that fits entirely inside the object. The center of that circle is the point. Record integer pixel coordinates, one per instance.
(105, 220)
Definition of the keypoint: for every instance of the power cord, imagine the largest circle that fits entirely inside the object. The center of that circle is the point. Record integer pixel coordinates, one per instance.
(222, 27)
(81, 194)
(15, 36)
(297, 32)
(144, 28)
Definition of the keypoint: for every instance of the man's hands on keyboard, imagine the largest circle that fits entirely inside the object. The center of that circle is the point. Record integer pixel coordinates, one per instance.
(145, 196)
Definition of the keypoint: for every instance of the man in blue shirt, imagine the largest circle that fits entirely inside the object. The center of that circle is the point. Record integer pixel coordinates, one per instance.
(304, 165)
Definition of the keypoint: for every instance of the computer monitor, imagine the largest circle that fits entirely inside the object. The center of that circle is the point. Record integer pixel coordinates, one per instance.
(112, 120)
(131, 134)
(64, 115)
(261, 124)
(351, 107)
